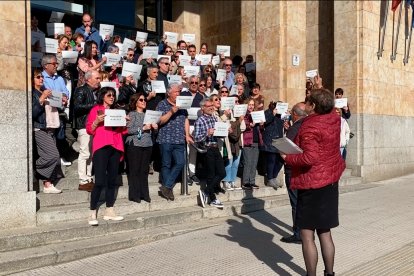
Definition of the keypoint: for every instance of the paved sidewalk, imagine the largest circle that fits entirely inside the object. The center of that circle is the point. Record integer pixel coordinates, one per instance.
(374, 238)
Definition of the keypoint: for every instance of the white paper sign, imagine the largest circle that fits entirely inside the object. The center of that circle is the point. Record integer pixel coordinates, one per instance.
(150, 52)
(221, 129)
(83, 47)
(164, 56)
(258, 116)
(133, 69)
(282, 108)
(112, 59)
(152, 117)
(56, 17)
(55, 28)
(51, 45)
(55, 99)
(250, 66)
(227, 103)
(158, 86)
(311, 73)
(141, 37)
(193, 113)
(191, 70)
(175, 79)
(70, 56)
(184, 102)
(129, 43)
(215, 60)
(36, 59)
(171, 37)
(239, 110)
(108, 84)
(286, 146)
(189, 38)
(114, 118)
(233, 90)
(204, 59)
(105, 29)
(221, 75)
(341, 103)
(184, 60)
(223, 49)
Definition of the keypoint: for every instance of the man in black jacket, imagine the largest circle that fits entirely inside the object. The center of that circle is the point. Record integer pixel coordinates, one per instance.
(298, 114)
(84, 100)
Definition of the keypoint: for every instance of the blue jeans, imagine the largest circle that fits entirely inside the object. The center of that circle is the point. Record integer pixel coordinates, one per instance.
(172, 163)
(293, 198)
(232, 166)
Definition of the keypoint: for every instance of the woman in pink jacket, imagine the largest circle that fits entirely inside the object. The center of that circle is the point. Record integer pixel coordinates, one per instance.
(107, 152)
(315, 174)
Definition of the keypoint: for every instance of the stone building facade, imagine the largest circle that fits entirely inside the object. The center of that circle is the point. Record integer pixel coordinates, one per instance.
(340, 38)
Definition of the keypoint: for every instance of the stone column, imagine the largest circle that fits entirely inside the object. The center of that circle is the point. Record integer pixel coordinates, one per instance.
(281, 33)
(17, 202)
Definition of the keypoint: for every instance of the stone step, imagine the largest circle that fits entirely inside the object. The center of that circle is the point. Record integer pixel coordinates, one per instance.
(80, 211)
(63, 242)
(350, 180)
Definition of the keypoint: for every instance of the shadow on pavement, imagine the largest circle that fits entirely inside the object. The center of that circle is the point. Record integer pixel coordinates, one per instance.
(259, 242)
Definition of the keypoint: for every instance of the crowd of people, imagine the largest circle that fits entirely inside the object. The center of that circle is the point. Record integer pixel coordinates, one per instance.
(71, 95)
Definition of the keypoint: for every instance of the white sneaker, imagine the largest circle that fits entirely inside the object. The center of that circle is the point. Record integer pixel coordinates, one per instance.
(93, 221)
(51, 190)
(217, 203)
(64, 162)
(227, 186)
(233, 185)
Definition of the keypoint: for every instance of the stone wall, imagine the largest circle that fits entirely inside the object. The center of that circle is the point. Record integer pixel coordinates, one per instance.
(17, 204)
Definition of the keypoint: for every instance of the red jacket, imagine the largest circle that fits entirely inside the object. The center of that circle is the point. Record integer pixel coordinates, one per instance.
(320, 163)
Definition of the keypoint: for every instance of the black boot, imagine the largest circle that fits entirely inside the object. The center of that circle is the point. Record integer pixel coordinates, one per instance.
(327, 274)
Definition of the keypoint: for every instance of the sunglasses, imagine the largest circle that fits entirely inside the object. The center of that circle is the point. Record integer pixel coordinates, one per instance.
(224, 91)
(39, 77)
(168, 51)
(141, 100)
(194, 82)
(227, 65)
(202, 85)
(166, 63)
(217, 100)
(111, 95)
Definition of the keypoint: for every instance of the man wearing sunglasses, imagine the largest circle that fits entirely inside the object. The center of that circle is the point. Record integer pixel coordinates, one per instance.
(230, 80)
(164, 68)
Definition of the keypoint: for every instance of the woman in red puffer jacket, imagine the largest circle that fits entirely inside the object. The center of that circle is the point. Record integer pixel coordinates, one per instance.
(315, 174)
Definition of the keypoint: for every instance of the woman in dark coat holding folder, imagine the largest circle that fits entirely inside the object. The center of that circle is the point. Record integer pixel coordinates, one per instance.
(315, 174)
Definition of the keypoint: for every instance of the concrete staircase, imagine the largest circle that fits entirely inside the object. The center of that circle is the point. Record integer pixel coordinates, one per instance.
(63, 233)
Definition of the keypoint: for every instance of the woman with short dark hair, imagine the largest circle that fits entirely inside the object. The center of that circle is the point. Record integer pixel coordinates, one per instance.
(107, 152)
(315, 174)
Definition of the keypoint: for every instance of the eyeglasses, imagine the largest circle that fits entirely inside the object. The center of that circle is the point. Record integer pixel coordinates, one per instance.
(141, 99)
(210, 105)
(53, 63)
(217, 100)
(202, 85)
(39, 77)
(111, 95)
(166, 63)
(194, 82)
(224, 91)
(227, 65)
(168, 51)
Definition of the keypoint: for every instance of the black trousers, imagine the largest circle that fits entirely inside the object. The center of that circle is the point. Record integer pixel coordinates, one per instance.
(138, 164)
(105, 165)
(215, 171)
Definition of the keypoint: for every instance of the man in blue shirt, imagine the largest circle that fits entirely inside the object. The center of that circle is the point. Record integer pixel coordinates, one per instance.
(89, 32)
(53, 81)
(173, 133)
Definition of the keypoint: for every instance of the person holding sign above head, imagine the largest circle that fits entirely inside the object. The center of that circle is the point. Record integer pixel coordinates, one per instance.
(107, 152)
(138, 148)
(204, 132)
(45, 122)
(89, 61)
(174, 132)
(252, 139)
(315, 174)
(89, 32)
